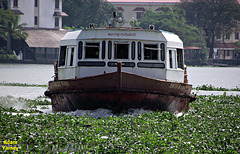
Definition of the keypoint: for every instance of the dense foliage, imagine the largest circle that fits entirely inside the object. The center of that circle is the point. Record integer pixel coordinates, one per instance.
(83, 12)
(211, 126)
(213, 17)
(21, 84)
(171, 19)
(210, 87)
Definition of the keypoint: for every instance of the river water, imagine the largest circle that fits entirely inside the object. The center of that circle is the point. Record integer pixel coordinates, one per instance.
(226, 77)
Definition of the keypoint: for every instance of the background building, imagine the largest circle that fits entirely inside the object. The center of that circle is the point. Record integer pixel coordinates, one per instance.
(39, 13)
(226, 46)
(134, 9)
(44, 27)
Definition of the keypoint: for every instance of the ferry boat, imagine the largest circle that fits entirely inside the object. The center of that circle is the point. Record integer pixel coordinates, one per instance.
(119, 69)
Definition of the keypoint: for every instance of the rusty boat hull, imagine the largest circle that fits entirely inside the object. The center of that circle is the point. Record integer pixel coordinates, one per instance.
(119, 91)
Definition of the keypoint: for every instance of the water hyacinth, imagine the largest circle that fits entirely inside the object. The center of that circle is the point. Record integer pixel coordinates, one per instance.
(209, 87)
(212, 125)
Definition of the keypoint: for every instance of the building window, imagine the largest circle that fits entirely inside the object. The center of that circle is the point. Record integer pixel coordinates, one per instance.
(56, 22)
(36, 3)
(150, 51)
(228, 37)
(15, 3)
(92, 50)
(139, 12)
(237, 36)
(228, 53)
(36, 20)
(218, 36)
(139, 15)
(56, 4)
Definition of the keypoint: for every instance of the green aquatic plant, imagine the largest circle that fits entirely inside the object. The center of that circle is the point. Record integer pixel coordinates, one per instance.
(209, 87)
(22, 84)
(210, 126)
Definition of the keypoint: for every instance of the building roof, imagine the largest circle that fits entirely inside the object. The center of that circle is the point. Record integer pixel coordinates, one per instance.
(143, 1)
(44, 38)
(226, 45)
(192, 48)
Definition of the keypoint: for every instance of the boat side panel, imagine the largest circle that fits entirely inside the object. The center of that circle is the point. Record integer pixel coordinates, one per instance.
(118, 101)
(129, 81)
(66, 73)
(147, 72)
(175, 75)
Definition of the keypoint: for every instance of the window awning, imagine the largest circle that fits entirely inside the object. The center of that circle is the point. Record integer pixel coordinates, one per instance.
(17, 12)
(60, 14)
(139, 9)
(120, 9)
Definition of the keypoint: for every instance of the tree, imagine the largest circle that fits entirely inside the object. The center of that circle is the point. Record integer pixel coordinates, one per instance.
(83, 12)
(9, 27)
(173, 20)
(212, 17)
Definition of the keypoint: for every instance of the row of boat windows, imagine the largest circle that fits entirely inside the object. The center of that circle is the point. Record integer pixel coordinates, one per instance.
(121, 50)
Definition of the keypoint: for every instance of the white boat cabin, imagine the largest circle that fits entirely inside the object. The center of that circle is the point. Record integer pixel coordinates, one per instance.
(150, 53)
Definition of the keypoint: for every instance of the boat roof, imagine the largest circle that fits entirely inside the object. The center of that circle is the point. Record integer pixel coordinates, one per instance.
(171, 39)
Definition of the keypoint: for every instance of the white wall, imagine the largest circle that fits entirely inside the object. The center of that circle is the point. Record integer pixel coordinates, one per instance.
(46, 18)
(45, 11)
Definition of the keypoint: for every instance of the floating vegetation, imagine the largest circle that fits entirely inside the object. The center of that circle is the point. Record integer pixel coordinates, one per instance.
(212, 125)
(22, 84)
(212, 88)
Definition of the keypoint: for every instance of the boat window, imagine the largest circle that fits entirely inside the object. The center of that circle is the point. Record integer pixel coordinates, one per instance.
(109, 49)
(180, 58)
(62, 57)
(151, 51)
(71, 58)
(103, 49)
(133, 51)
(92, 50)
(121, 50)
(80, 45)
(139, 50)
(170, 58)
(162, 46)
